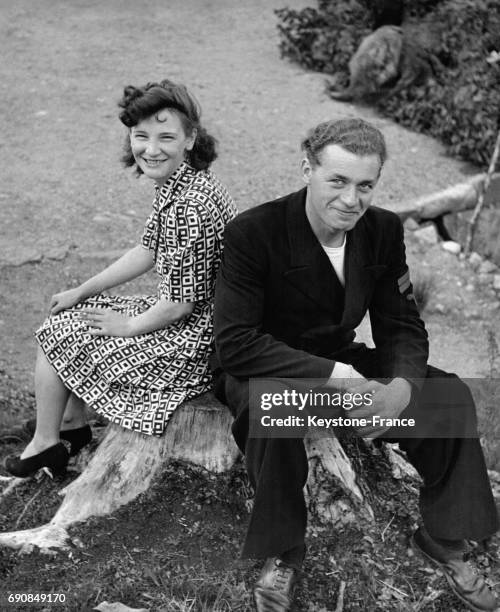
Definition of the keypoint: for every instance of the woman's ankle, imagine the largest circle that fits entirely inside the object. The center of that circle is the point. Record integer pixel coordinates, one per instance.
(37, 445)
(75, 423)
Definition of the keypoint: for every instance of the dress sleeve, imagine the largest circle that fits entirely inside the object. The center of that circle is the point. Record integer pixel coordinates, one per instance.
(190, 264)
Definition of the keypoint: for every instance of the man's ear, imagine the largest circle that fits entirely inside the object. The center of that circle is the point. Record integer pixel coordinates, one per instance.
(306, 169)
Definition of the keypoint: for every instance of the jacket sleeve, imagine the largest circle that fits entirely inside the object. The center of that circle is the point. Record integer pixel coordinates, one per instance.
(244, 349)
(398, 331)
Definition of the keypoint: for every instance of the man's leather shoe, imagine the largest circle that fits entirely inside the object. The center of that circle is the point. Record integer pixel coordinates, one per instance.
(273, 590)
(469, 586)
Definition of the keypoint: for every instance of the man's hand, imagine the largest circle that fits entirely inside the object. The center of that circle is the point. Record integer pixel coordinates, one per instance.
(388, 401)
(107, 322)
(344, 376)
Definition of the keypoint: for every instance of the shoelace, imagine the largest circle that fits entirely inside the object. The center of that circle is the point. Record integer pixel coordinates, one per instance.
(282, 574)
(475, 579)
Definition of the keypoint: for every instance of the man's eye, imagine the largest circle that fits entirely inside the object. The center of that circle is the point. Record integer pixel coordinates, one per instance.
(365, 188)
(337, 182)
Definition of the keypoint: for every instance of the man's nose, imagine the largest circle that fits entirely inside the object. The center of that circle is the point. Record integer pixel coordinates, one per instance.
(349, 196)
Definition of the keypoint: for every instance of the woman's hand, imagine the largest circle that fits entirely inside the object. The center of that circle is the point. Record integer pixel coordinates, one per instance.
(107, 322)
(65, 300)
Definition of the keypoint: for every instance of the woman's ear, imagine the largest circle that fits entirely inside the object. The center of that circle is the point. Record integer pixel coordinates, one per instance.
(191, 140)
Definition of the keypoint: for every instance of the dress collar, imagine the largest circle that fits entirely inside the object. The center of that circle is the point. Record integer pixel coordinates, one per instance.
(175, 183)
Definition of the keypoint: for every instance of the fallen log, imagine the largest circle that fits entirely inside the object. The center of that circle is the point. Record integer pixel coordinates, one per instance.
(459, 197)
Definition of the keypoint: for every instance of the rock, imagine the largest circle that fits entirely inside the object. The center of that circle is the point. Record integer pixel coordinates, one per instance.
(496, 282)
(487, 267)
(440, 308)
(20, 256)
(57, 253)
(484, 279)
(469, 287)
(475, 260)
(411, 225)
(101, 218)
(472, 314)
(451, 246)
(117, 607)
(427, 234)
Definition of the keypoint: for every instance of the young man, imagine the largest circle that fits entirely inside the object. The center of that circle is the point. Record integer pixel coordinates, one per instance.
(297, 277)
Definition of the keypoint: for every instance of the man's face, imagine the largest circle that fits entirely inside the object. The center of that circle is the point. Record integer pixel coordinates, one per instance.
(339, 190)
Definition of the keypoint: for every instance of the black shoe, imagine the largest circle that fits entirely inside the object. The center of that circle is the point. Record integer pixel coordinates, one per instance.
(55, 458)
(78, 438)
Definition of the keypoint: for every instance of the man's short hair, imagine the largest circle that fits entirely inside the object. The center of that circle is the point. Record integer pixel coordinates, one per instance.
(354, 135)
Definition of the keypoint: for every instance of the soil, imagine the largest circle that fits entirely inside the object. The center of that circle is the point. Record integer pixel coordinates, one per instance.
(65, 195)
(69, 207)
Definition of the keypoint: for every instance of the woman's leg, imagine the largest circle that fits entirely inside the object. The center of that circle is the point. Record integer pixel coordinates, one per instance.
(51, 396)
(74, 415)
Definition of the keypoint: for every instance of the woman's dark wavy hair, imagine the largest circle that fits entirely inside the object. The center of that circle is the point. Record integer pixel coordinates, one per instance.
(139, 103)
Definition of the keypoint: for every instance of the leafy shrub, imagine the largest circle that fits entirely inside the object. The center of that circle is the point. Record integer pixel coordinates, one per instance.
(323, 39)
(460, 106)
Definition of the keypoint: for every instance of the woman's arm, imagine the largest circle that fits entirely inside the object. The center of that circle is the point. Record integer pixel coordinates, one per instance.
(132, 264)
(111, 323)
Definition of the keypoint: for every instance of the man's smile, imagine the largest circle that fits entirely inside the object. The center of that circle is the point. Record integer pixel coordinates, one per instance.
(345, 212)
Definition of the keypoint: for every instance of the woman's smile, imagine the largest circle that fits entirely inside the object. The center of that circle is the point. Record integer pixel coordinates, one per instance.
(154, 162)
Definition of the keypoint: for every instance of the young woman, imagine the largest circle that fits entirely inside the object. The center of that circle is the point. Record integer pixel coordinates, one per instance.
(136, 359)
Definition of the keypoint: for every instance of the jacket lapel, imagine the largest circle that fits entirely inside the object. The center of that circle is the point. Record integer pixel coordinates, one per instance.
(310, 270)
(360, 271)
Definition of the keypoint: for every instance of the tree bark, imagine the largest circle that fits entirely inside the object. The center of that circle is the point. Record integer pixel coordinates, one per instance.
(126, 463)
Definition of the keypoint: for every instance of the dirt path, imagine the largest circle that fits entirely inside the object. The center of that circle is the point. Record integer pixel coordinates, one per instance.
(64, 194)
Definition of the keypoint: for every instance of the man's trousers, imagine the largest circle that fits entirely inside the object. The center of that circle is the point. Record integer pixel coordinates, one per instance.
(456, 501)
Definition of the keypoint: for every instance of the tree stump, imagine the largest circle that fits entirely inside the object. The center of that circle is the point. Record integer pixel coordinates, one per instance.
(126, 464)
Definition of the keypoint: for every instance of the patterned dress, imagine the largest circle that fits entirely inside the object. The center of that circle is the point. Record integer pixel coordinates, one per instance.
(138, 382)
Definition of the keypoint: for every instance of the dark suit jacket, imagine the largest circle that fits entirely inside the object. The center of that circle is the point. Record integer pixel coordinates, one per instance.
(275, 309)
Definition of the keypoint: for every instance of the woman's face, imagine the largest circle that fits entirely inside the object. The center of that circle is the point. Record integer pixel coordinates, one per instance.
(159, 144)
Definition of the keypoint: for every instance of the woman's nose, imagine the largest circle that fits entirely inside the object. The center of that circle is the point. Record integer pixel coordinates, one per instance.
(152, 148)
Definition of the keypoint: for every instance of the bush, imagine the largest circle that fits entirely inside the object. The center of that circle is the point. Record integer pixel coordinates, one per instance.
(460, 106)
(323, 39)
